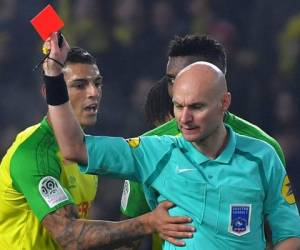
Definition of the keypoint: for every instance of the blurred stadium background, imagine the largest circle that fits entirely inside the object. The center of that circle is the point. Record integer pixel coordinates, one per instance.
(130, 39)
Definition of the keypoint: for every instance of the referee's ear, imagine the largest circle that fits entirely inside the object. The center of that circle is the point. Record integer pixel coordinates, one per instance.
(43, 90)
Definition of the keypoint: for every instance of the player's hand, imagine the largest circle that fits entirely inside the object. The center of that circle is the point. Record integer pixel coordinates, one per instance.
(170, 228)
(54, 63)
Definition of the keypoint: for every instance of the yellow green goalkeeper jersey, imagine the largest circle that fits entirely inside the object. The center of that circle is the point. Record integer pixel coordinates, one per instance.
(133, 201)
(35, 181)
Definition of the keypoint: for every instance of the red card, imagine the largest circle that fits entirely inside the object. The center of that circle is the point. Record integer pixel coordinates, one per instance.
(46, 22)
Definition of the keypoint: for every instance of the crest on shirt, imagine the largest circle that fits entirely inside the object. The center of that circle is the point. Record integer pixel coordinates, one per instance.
(134, 142)
(287, 192)
(239, 222)
(51, 191)
(125, 195)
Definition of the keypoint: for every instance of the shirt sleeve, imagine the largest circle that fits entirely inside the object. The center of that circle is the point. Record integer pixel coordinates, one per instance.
(133, 202)
(280, 205)
(133, 159)
(36, 175)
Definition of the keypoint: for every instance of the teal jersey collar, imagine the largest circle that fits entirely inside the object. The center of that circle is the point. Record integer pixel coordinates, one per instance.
(199, 158)
(228, 151)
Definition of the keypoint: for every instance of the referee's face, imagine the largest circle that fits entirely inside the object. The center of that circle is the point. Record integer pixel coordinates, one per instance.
(200, 99)
(84, 84)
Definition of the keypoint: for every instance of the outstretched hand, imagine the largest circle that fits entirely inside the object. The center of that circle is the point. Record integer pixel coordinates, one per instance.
(53, 64)
(170, 228)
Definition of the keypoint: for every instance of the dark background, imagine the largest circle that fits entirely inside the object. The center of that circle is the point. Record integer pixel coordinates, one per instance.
(130, 39)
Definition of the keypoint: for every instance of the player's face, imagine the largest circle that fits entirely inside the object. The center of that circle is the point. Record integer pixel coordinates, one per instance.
(84, 84)
(174, 66)
(198, 110)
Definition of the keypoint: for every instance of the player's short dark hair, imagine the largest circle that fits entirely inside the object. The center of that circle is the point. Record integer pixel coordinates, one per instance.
(202, 47)
(158, 103)
(79, 55)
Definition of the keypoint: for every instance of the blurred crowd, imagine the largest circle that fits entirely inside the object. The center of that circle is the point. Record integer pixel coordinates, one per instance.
(130, 40)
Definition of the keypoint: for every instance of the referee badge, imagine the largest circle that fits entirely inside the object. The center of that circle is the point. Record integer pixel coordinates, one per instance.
(239, 222)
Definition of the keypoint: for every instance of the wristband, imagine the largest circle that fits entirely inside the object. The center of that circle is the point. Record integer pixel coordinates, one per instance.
(56, 90)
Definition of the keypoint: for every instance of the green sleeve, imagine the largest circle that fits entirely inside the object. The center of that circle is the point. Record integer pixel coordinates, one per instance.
(133, 202)
(35, 173)
(244, 127)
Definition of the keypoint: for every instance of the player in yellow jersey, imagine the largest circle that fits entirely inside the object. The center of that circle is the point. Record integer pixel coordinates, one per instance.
(43, 203)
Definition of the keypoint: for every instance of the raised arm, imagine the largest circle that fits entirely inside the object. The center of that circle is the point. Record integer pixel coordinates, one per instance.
(67, 130)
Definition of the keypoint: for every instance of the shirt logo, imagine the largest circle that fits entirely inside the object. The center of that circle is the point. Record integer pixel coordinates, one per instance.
(134, 142)
(239, 222)
(287, 192)
(71, 182)
(182, 170)
(125, 195)
(52, 191)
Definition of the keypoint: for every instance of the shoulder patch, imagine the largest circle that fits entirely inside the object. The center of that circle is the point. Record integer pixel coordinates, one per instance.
(125, 195)
(287, 192)
(134, 142)
(52, 192)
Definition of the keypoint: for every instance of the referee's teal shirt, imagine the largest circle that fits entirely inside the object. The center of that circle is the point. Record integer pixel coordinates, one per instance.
(228, 197)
